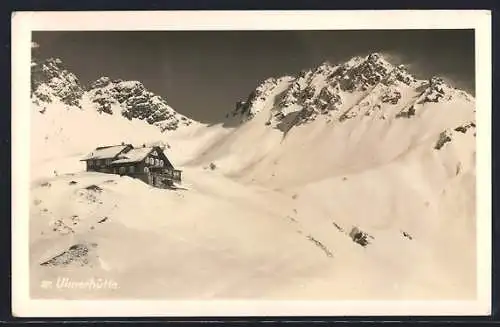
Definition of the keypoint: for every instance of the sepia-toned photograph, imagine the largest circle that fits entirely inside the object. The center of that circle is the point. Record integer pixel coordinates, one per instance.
(259, 165)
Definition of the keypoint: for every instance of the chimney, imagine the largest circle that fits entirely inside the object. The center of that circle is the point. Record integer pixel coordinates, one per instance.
(143, 145)
(123, 143)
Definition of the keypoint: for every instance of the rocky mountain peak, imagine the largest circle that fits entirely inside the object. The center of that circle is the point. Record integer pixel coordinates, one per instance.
(374, 57)
(50, 81)
(132, 100)
(367, 73)
(362, 85)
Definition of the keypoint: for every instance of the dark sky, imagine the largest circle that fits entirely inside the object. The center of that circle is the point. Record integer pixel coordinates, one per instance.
(203, 73)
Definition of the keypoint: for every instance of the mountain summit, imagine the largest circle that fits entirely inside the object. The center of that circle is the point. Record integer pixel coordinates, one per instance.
(53, 84)
(362, 85)
(51, 81)
(132, 100)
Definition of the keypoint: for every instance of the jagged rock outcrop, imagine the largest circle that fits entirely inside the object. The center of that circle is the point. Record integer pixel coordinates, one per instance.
(392, 96)
(448, 135)
(436, 90)
(464, 128)
(132, 100)
(368, 73)
(360, 237)
(444, 137)
(50, 81)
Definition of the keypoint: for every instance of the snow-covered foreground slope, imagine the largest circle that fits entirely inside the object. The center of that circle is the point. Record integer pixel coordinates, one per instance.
(354, 181)
(221, 239)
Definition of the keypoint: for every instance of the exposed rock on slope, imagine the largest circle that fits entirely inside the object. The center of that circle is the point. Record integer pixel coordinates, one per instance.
(448, 135)
(76, 255)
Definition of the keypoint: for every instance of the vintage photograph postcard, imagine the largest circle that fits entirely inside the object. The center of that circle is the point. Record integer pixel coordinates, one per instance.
(251, 163)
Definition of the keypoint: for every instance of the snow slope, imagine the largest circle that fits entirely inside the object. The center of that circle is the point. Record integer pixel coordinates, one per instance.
(350, 181)
(238, 241)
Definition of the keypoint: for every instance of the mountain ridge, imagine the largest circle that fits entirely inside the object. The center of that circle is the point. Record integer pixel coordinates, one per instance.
(323, 90)
(52, 83)
(337, 113)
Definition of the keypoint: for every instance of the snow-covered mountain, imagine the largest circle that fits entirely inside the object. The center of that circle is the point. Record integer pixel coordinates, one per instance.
(52, 83)
(337, 119)
(348, 181)
(343, 91)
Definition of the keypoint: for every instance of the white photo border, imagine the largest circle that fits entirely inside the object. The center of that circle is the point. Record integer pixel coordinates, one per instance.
(23, 23)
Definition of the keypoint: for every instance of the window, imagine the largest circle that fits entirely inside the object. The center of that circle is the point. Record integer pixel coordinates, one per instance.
(177, 174)
(148, 160)
(91, 163)
(146, 170)
(108, 162)
(157, 162)
(161, 163)
(131, 169)
(122, 170)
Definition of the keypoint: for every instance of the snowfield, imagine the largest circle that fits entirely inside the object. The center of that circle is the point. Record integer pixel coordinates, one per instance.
(379, 205)
(221, 239)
